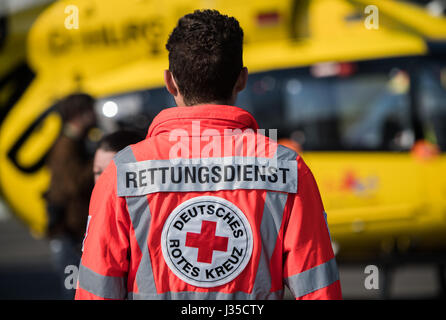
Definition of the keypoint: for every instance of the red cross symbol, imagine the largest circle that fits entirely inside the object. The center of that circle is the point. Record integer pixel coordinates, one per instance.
(206, 241)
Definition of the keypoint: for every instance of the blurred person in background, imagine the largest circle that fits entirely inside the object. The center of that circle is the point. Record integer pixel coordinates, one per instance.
(110, 145)
(70, 163)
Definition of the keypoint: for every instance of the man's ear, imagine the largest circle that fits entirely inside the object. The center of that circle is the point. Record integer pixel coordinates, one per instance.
(241, 80)
(170, 83)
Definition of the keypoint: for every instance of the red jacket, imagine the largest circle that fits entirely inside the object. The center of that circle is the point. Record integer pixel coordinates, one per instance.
(207, 208)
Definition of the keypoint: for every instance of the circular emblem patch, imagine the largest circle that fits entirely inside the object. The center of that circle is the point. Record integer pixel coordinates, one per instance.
(207, 241)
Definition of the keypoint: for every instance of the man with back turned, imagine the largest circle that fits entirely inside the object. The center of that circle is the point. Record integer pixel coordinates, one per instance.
(206, 207)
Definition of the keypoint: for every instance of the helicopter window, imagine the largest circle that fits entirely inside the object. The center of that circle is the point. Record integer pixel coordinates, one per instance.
(433, 102)
(368, 110)
(365, 108)
(373, 111)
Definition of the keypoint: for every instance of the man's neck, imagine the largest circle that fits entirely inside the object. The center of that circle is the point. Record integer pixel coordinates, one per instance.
(221, 103)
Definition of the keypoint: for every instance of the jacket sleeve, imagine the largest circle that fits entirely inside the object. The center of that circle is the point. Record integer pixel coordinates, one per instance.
(104, 264)
(310, 269)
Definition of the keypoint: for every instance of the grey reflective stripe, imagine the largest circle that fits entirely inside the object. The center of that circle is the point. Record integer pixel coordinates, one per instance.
(271, 222)
(194, 295)
(124, 156)
(313, 279)
(270, 226)
(206, 174)
(326, 223)
(284, 153)
(269, 230)
(140, 215)
(102, 286)
(97, 284)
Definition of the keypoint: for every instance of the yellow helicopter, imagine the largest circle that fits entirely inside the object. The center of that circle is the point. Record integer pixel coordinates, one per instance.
(359, 89)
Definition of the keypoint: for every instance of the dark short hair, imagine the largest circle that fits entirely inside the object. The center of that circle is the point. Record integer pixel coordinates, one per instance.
(74, 105)
(206, 56)
(118, 140)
